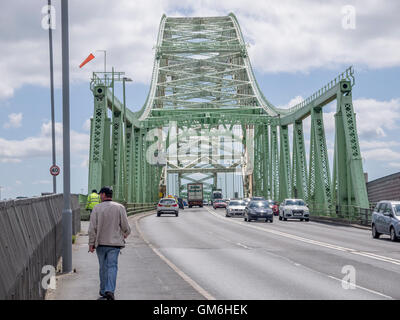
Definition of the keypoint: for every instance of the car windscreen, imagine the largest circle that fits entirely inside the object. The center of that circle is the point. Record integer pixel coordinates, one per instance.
(260, 204)
(167, 201)
(396, 208)
(295, 203)
(236, 203)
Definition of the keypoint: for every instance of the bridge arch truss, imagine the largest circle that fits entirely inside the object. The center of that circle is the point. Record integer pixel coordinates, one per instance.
(203, 89)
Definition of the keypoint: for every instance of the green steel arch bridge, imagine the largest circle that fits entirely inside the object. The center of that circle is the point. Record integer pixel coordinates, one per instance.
(205, 114)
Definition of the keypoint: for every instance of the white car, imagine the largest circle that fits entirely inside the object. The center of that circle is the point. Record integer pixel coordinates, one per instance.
(235, 208)
(294, 209)
(167, 205)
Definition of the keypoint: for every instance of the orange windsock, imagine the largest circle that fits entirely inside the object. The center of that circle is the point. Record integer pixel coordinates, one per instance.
(90, 57)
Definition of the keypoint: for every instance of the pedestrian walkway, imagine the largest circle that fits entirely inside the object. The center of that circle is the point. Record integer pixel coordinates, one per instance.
(142, 275)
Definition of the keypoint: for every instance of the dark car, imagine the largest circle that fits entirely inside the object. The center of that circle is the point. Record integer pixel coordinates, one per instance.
(219, 203)
(258, 210)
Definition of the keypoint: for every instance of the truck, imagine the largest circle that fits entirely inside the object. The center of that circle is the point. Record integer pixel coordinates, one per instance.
(195, 194)
(216, 194)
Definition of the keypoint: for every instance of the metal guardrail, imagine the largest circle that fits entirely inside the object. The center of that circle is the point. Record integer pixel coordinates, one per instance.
(31, 238)
(131, 208)
(344, 213)
(134, 208)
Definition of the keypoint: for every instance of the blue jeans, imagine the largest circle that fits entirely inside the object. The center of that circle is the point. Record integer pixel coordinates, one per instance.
(108, 261)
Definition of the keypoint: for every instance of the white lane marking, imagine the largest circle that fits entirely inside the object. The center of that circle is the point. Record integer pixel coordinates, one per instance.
(368, 290)
(183, 275)
(229, 241)
(353, 251)
(242, 245)
(315, 242)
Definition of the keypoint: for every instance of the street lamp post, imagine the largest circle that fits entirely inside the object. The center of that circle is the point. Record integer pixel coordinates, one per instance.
(52, 97)
(67, 212)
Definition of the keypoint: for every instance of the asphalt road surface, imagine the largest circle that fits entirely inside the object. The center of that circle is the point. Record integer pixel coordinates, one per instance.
(227, 258)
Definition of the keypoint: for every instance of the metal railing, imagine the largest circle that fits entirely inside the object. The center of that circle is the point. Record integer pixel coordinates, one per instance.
(342, 213)
(131, 208)
(134, 208)
(30, 239)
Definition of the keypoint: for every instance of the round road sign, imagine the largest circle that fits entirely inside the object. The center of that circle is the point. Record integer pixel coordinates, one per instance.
(54, 170)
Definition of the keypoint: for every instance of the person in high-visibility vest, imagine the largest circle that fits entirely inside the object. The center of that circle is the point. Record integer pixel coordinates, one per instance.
(92, 200)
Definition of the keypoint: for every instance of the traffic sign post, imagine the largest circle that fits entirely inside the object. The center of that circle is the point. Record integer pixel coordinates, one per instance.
(54, 170)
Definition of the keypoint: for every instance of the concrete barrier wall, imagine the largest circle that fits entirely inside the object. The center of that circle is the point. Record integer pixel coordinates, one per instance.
(30, 238)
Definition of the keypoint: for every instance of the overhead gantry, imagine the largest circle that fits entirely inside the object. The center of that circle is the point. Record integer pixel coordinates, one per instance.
(205, 114)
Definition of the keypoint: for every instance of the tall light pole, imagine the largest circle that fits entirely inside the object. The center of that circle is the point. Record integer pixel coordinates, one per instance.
(53, 135)
(67, 212)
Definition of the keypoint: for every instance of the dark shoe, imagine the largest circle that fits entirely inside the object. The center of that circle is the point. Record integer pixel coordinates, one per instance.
(109, 295)
(102, 298)
(102, 294)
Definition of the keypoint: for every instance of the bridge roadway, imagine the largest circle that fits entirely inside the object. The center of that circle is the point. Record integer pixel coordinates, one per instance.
(227, 258)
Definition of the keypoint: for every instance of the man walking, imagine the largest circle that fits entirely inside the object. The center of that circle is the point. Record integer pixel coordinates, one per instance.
(92, 200)
(107, 232)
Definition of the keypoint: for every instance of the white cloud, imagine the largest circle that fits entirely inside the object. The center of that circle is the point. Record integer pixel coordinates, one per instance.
(285, 36)
(86, 125)
(375, 144)
(381, 154)
(375, 118)
(40, 146)
(292, 102)
(41, 182)
(14, 120)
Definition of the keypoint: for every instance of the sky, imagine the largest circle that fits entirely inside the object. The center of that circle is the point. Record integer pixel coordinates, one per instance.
(295, 48)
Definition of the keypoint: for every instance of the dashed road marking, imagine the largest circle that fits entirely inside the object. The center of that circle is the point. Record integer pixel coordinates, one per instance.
(314, 242)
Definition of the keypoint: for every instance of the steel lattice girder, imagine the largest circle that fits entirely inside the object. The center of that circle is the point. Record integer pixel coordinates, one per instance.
(202, 78)
(299, 166)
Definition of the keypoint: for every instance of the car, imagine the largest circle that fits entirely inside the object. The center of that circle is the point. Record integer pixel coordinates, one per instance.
(386, 219)
(219, 203)
(247, 200)
(294, 209)
(235, 208)
(205, 202)
(257, 198)
(167, 205)
(274, 206)
(258, 210)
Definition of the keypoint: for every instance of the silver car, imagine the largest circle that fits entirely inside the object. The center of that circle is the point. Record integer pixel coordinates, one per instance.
(167, 205)
(386, 219)
(235, 208)
(294, 209)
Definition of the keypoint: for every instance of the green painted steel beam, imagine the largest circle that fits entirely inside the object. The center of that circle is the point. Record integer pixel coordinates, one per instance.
(284, 165)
